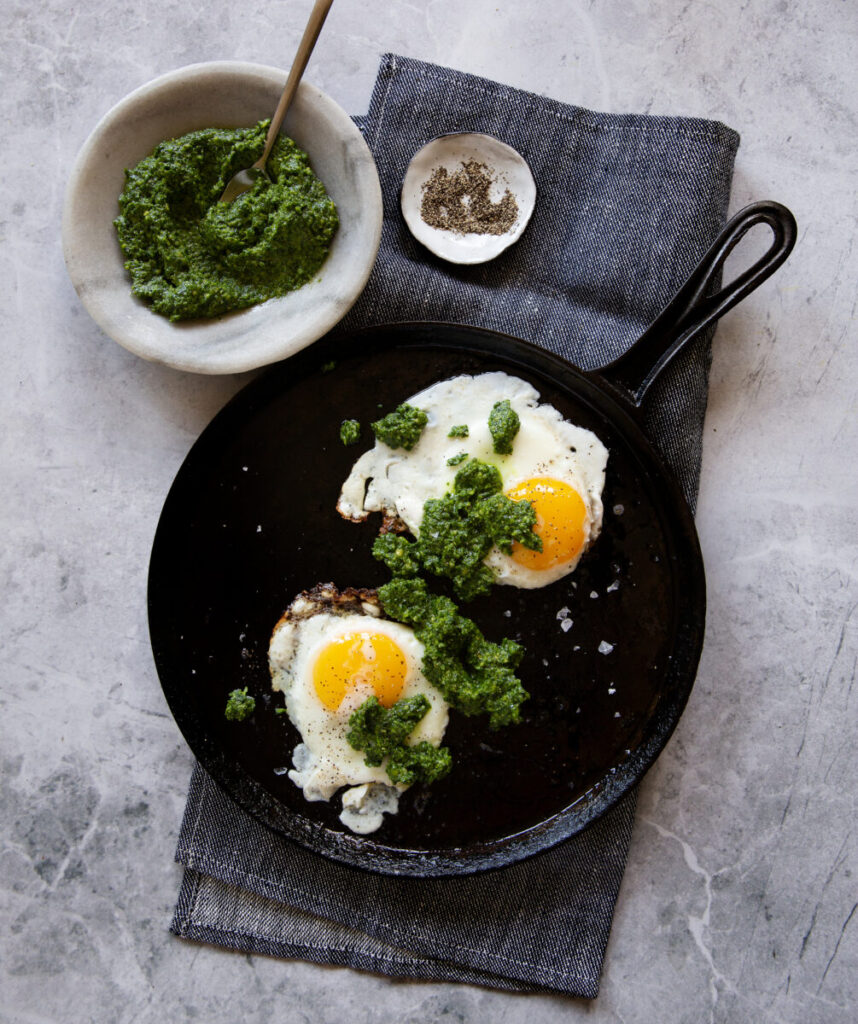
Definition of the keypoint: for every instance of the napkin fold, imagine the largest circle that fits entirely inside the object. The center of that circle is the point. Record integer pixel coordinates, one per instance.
(626, 206)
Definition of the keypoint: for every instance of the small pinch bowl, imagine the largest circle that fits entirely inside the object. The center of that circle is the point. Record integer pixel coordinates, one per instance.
(224, 94)
(509, 170)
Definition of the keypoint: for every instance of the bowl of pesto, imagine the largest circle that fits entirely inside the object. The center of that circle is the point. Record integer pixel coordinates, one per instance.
(177, 277)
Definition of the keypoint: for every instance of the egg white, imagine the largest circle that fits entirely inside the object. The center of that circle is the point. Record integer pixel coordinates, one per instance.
(325, 761)
(399, 483)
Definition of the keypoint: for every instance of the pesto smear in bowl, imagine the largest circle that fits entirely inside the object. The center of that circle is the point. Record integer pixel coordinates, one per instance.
(190, 255)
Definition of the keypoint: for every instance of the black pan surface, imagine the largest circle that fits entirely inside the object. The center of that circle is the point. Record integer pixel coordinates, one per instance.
(251, 521)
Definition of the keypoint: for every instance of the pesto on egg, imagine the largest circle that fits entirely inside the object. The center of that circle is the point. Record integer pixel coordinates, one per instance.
(402, 427)
(458, 531)
(474, 675)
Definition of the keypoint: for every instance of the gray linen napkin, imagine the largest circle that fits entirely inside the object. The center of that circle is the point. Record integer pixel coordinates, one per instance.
(626, 206)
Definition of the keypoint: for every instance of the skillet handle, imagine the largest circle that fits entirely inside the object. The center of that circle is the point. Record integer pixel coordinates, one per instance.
(692, 311)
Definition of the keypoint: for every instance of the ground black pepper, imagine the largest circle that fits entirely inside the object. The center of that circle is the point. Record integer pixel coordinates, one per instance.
(460, 201)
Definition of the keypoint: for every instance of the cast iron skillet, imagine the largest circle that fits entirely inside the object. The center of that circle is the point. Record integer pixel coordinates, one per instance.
(250, 521)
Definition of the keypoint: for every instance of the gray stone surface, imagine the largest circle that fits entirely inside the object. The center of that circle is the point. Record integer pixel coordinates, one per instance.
(739, 902)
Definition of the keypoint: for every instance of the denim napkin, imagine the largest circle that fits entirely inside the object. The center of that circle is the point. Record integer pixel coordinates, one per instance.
(626, 206)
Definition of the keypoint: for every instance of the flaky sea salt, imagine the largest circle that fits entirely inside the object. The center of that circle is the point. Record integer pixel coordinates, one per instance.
(605, 647)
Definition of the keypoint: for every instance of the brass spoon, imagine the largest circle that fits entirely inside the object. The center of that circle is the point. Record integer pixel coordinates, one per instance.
(243, 181)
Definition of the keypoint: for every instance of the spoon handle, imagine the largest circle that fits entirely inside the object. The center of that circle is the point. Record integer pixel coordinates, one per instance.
(305, 48)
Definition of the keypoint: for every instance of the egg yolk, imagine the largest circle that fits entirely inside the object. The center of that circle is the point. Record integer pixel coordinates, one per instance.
(562, 522)
(354, 659)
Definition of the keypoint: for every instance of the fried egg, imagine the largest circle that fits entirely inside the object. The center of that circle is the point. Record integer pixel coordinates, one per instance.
(329, 653)
(556, 465)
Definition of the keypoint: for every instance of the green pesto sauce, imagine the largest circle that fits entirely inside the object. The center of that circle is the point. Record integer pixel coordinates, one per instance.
(456, 460)
(474, 675)
(402, 427)
(350, 432)
(504, 424)
(190, 255)
(458, 531)
(383, 733)
(399, 554)
(459, 431)
(239, 705)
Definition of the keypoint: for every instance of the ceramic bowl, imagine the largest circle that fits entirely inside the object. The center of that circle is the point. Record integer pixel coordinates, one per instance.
(508, 170)
(219, 95)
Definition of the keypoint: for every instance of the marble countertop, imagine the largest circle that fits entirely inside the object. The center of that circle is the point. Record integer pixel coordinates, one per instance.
(738, 903)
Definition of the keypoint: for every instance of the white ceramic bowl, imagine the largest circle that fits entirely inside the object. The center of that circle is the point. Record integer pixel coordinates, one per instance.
(219, 95)
(506, 166)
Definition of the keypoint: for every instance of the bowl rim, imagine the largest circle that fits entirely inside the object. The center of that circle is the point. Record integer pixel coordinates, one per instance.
(92, 289)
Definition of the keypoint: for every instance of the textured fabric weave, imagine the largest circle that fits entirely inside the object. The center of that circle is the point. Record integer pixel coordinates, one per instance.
(626, 207)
